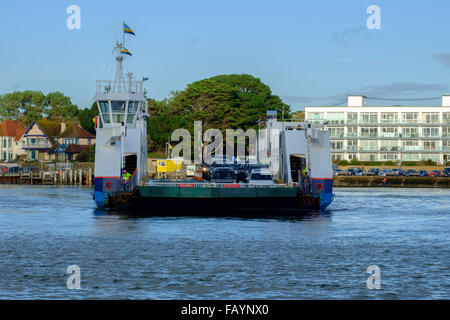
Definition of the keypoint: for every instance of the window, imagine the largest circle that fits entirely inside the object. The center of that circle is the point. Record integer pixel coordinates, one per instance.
(410, 117)
(352, 117)
(352, 145)
(369, 132)
(388, 145)
(369, 157)
(118, 110)
(410, 145)
(315, 117)
(389, 132)
(336, 117)
(351, 157)
(368, 145)
(446, 118)
(430, 145)
(132, 109)
(337, 145)
(430, 117)
(10, 143)
(430, 132)
(446, 132)
(446, 145)
(369, 118)
(336, 132)
(389, 157)
(352, 131)
(389, 117)
(410, 157)
(410, 132)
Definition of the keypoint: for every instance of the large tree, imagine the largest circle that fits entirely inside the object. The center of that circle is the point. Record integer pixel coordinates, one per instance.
(221, 102)
(86, 116)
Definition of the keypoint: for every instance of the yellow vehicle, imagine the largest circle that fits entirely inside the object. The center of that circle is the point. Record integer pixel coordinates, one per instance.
(169, 165)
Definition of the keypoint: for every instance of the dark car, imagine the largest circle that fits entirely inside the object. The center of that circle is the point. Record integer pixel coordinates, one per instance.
(423, 173)
(339, 172)
(223, 175)
(350, 172)
(373, 172)
(28, 169)
(446, 172)
(12, 170)
(412, 173)
(435, 173)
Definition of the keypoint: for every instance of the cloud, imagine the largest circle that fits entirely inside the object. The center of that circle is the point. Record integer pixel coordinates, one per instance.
(443, 58)
(403, 88)
(352, 36)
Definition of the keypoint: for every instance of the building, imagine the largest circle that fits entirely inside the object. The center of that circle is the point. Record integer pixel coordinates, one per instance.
(52, 141)
(10, 140)
(386, 133)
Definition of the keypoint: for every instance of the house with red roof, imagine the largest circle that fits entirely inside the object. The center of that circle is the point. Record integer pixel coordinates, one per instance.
(11, 133)
(52, 141)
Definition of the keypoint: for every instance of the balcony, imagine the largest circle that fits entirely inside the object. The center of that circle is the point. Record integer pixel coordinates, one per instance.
(37, 145)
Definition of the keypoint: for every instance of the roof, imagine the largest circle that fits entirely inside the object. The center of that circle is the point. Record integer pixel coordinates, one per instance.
(11, 128)
(76, 148)
(50, 128)
(74, 130)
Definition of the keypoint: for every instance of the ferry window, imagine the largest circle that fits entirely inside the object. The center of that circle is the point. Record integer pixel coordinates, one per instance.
(130, 118)
(132, 106)
(104, 106)
(118, 106)
(118, 118)
(106, 118)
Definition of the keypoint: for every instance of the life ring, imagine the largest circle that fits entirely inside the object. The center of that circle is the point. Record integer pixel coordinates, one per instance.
(319, 186)
(108, 185)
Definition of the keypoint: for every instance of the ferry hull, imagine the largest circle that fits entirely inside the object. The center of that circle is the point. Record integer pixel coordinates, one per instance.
(184, 201)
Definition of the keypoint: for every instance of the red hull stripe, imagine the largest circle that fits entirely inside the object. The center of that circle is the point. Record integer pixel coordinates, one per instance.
(106, 177)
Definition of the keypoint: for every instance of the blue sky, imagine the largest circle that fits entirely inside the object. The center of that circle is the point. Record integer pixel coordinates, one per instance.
(308, 52)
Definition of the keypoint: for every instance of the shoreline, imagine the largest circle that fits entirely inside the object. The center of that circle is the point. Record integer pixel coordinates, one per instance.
(391, 182)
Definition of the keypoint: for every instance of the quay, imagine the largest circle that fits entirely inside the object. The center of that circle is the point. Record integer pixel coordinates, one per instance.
(391, 182)
(76, 176)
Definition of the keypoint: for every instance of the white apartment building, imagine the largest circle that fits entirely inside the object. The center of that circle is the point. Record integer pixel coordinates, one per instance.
(384, 133)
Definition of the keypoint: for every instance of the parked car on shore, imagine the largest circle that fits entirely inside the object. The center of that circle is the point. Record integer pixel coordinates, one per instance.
(359, 171)
(351, 171)
(396, 172)
(373, 172)
(412, 173)
(339, 172)
(435, 173)
(423, 173)
(384, 172)
(446, 172)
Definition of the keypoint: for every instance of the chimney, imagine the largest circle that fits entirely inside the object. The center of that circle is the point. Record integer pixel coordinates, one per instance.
(446, 100)
(63, 125)
(356, 101)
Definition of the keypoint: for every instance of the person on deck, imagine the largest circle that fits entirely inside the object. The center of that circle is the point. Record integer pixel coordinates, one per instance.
(125, 176)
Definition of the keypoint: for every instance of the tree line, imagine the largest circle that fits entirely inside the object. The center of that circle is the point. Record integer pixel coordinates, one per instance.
(28, 106)
(236, 101)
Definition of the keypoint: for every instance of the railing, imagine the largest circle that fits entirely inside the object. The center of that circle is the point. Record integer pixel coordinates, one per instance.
(131, 183)
(44, 145)
(110, 86)
(380, 124)
(208, 184)
(381, 150)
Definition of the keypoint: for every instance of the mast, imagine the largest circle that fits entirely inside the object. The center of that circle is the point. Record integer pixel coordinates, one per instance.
(119, 74)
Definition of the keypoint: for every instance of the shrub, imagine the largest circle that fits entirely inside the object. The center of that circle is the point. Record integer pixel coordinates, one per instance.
(409, 163)
(343, 163)
(389, 163)
(429, 162)
(354, 162)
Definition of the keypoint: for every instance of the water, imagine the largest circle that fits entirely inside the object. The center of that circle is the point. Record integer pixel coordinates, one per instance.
(405, 232)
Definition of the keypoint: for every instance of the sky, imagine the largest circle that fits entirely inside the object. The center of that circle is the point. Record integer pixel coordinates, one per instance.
(308, 52)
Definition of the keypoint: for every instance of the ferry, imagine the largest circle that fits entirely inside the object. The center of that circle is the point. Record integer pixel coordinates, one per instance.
(121, 148)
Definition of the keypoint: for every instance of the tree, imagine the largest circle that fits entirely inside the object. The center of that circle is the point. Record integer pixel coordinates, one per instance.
(59, 107)
(221, 102)
(85, 116)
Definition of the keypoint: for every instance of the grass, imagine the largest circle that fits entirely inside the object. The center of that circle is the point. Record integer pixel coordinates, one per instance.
(156, 155)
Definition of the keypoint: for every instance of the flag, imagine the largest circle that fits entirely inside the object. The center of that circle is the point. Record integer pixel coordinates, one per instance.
(127, 29)
(126, 51)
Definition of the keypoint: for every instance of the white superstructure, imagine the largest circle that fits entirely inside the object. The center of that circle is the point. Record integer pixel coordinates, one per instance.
(121, 131)
(386, 133)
